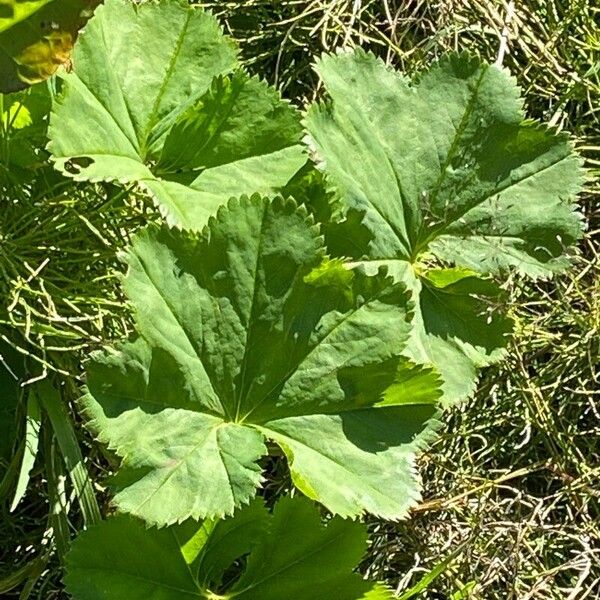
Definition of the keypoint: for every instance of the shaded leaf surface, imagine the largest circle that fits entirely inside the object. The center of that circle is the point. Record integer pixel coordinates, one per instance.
(456, 325)
(290, 555)
(218, 130)
(241, 342)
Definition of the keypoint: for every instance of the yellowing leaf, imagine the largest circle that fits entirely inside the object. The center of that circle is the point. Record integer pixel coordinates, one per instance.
(37, 37)
(17, 116)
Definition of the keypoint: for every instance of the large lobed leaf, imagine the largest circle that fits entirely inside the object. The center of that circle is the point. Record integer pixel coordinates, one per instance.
(247, 334)
(445, 167)
(291, 555)
(36, 37)
(447, 162)
(154, 98)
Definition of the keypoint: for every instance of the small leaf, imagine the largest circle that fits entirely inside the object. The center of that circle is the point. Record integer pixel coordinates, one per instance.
(26, 124)
(17, 116)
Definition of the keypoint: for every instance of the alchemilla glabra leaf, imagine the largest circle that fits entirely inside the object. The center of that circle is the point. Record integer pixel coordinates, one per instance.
(290, 555)
(248, 334)
(445, 168)
(156, 98)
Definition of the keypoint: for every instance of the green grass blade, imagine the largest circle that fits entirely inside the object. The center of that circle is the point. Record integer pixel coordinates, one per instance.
(16, 578)
(30, 448)
(37, 569)
(57, 516)
(60, 419)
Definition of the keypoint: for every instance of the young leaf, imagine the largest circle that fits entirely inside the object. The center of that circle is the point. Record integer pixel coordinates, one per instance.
(445, 165)
(36, 37)
(151, 102)
(240, 342)
(290, 555)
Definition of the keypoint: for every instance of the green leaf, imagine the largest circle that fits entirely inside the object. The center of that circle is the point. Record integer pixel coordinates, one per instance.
(120, 559)
(299, 558)
(457, 326)
(240, 342)
(291, 555)
(150, 101)
(446, 164)
(443, 168)
(36, 37)
(22, 576)
(159, 58)
(25, 123)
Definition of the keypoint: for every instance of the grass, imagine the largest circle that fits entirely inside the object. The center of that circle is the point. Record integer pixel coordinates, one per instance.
(511, 487)
(60, 306)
